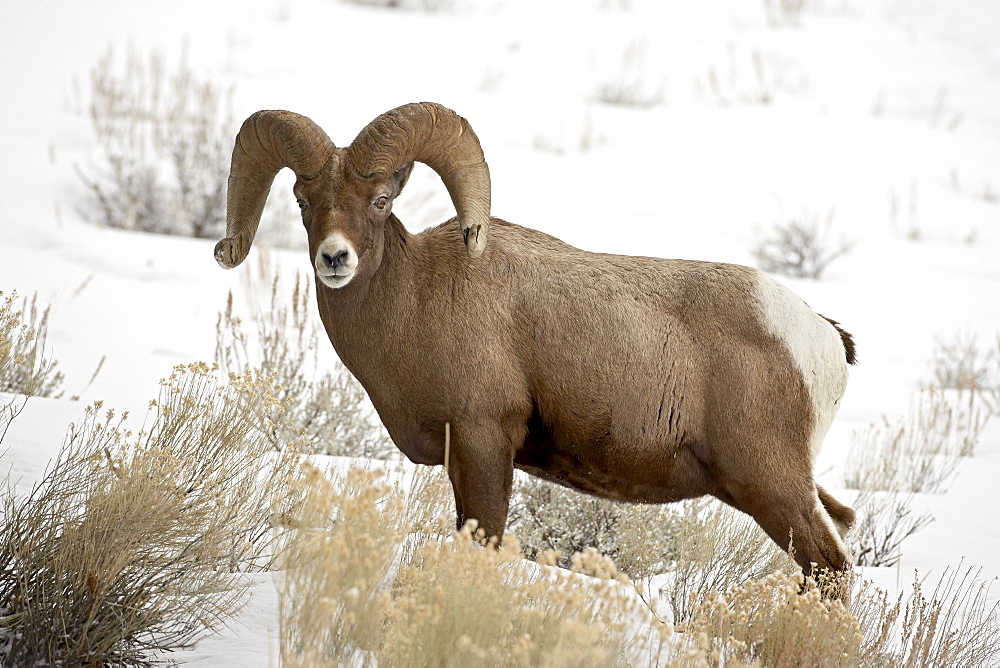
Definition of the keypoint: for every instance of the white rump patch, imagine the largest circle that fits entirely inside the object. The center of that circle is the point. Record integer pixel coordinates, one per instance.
(814, 344)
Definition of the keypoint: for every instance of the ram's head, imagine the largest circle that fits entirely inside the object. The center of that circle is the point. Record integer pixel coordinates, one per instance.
(346, 194)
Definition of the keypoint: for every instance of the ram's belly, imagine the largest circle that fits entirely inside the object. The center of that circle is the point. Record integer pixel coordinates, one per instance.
(620, 459)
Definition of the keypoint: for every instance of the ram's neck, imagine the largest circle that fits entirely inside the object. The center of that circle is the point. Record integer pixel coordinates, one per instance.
(365, 318)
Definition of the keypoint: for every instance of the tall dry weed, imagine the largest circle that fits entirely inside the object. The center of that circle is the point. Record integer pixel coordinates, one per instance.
(956, 625)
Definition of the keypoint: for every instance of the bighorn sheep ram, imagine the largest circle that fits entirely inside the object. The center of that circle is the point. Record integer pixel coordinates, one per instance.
(632, 378)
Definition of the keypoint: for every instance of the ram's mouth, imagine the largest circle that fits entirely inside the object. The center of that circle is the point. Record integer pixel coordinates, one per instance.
(335, 280)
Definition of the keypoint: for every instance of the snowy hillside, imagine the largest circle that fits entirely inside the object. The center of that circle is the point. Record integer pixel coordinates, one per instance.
(682, 130)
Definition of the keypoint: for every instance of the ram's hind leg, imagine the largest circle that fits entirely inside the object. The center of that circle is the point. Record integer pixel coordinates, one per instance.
(792, 514)
(843, 517)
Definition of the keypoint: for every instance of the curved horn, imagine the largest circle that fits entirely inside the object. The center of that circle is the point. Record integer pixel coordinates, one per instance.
(442, 140)
(268, 141)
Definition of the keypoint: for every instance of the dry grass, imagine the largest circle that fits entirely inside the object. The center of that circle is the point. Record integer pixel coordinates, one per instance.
(25, 368)
(133, 544)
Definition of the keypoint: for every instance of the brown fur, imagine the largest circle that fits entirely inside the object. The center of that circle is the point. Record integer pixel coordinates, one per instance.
(632, 378)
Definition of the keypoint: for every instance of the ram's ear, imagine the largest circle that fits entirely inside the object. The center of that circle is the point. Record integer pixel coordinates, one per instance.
(400, 177)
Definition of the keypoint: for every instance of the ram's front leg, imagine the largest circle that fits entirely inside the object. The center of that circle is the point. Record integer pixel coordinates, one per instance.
(481, 468)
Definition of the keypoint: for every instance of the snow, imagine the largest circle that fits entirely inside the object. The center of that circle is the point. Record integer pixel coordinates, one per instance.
(883, 112)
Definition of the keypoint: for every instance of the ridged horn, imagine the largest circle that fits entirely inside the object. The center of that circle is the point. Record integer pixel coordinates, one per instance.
(441, 139)
(267, 142)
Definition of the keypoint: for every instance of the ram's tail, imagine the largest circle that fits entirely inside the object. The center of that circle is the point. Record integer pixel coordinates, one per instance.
(849, 349)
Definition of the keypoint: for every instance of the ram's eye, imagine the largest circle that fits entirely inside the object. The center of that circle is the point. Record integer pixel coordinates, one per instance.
(380, 202)
(302, 204)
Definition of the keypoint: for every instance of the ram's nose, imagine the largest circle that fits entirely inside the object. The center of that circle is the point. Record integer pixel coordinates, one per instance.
(336, 261)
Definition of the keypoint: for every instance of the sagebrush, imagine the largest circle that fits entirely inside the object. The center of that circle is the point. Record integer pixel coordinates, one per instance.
(164, 136)
(326, 408)
(138, 543)
(550, 518)
(370, 583)
(920, 452)
(25, 367)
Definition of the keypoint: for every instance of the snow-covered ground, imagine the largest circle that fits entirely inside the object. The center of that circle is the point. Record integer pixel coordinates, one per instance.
(882, 112)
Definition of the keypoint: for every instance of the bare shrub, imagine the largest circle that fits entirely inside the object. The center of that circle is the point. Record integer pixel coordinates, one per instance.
(133, 544)
(885, 520)
(25, 368)
(328, 411)
(165, 140)
(799, 247)
(890, 462)
(959, 363)
(551, 518)
(784, 12)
